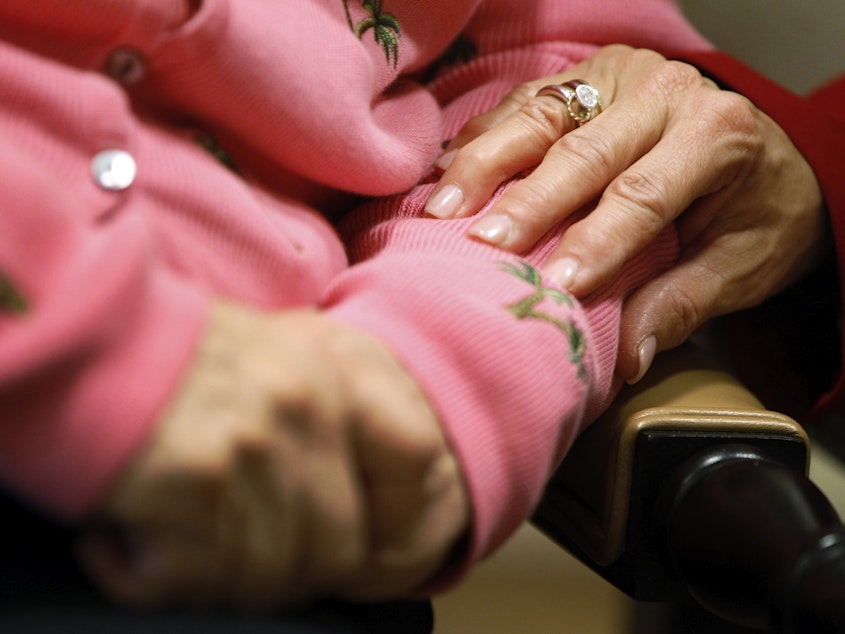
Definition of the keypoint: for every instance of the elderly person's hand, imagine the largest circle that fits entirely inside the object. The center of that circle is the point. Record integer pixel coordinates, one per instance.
(669, 146)
(299, 460)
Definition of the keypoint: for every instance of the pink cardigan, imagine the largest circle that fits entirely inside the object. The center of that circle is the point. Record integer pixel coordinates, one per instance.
(236, 127)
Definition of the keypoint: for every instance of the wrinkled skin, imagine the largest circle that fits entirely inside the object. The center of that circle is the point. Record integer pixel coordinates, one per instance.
(670, 146)
(298, 460)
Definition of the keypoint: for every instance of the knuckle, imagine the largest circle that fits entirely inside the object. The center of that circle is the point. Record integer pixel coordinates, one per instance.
(672, 76)
(473, 128)
(594, 152)
(481, 156)
(683, 316)
(646, 194)
(640, 57)
(252, 458)
(731, 118)
(529, 201)
(529, 204)
(619, 49)
(520, 93)
(472, 154)
(545, 118)
(731, 111)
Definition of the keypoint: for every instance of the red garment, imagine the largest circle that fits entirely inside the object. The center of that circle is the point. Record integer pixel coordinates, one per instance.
(804, 375)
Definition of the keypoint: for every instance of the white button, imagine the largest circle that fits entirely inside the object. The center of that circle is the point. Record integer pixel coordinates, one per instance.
(127, 66)
(114, 170)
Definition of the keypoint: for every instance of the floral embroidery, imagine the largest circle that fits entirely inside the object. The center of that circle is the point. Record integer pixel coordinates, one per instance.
(386, 28)
(526, 308)
(11, 301)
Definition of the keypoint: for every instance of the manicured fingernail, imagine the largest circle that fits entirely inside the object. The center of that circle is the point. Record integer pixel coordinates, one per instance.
(446, 202)
(645, 352)
(492, 228)
(445, 160)
(562, 272)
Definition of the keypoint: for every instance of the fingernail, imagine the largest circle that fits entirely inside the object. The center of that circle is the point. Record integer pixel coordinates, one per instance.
(445, 160)
(562, 272)
(645, 353)
(492, 228)
(446, 202)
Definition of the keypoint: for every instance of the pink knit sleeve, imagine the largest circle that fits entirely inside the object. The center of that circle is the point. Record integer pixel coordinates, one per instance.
(292, 86)
(514, 367)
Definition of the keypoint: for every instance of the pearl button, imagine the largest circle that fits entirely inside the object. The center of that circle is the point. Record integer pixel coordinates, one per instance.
(126, 66)
(114, 170)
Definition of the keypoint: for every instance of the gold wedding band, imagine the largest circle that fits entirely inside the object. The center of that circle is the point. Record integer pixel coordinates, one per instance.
(582, 100)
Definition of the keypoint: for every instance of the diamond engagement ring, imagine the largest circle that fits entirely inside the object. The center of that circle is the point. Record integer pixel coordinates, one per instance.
(581, 99)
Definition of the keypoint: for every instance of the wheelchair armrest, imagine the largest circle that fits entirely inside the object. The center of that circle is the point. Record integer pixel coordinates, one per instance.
(600, 503)
(688, 489)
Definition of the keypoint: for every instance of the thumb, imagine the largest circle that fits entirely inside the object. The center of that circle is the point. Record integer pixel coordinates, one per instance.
(665, 312)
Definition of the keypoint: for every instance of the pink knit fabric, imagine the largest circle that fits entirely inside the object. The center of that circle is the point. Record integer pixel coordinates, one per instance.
(508, 391)
(297, 109)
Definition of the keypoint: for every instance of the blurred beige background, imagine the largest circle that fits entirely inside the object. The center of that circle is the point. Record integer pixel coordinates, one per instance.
(533, 587)
(799, 43)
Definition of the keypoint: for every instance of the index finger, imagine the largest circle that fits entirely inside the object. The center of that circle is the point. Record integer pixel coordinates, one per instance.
(524, 127)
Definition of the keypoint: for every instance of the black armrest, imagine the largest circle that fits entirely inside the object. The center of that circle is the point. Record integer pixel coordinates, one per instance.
(657, 498)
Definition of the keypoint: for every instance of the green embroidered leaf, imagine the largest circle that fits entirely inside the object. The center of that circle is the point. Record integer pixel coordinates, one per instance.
(348, 16)
(364, 26)
(388, 20)
(523, 271)
(389, 44)
(11, 300)
(577, 343)
(559, 297)
(532, 275)
(387, 30)
(526, 308)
